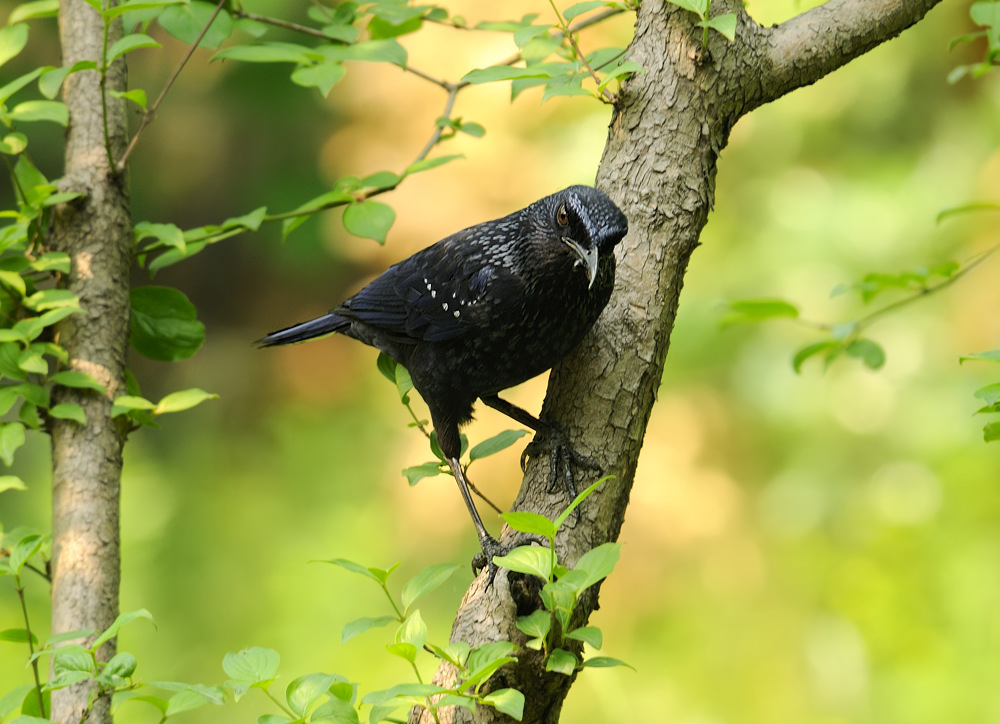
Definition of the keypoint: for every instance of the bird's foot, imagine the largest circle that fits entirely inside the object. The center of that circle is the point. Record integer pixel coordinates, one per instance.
(484, 559)
(562, 457)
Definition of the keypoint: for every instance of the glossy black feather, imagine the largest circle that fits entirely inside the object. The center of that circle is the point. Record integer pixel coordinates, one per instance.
(489, 306)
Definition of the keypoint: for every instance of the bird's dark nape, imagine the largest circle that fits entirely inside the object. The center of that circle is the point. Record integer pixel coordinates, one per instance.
(327, 324)
(485, 309)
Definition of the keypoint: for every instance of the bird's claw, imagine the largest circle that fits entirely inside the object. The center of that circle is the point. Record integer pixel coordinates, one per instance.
(484, 559)
(562, 455)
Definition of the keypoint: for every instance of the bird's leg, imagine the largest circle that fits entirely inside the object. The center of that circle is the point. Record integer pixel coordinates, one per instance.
(561, 453)
(490, 545)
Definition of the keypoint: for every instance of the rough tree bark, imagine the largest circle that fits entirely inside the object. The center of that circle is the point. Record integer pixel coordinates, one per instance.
(96, 232)
(659, 165)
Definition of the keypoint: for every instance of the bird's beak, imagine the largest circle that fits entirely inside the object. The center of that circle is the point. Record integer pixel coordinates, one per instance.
(585, 256)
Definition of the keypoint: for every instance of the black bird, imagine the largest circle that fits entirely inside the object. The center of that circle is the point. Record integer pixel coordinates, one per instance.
(486, 309)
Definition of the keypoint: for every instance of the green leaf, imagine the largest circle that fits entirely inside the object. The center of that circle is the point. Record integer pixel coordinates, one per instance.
(724, 24)
(270, 53)
(182, 400)
(484, 660)
(536, 625)
(382, 180)
(185, 22)
(990, 393)
(164, 324)
(527, 522)
(565, 85)
(307, 692)
(122, 664)
(11, 438)
(404, 383)
(506, 701)
(426, 581)
(811, 350)
(127, 403)
(253, 665)
(991, 432)
(698, 7)
(361, 625)
(251, 221)
(131, 6)
(69, 411)
(627, 67)
(323, 76)
(51, 299)
(574, 11)
(590, 635)
(24, 549)
(30, 11)
(167, 234)
(413, 631)
(79, 380)
(583, 495)
(369, 219)
(123, 620)
(604, 662)
(13, 38)
(13, 144)
(403, 650)
(504, 72)
(387, 50)
(54, 111)
(867, 351)
(757, 310)
(495, 444)
(18, 636)
(597, 563)
(533, 560)
(52, 79)
(417, 473)
(130, 43)
(967, 208)
(991, 356)
(185, 700)
(355, 568)
(11, 700)
(427, 164)
(561, 661)
(11, 482)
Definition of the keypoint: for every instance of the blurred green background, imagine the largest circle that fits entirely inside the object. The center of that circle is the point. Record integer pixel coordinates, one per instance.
(818, 548)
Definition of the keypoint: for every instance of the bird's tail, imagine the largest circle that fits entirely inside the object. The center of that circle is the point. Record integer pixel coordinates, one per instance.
(327, 324)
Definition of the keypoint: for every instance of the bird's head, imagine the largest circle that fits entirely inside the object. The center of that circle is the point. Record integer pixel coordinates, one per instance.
(588, 222)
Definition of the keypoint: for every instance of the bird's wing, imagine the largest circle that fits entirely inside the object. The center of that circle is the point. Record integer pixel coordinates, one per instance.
(436, 295)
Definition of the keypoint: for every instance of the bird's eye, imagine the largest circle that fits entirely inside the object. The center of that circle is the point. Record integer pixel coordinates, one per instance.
(562, 216)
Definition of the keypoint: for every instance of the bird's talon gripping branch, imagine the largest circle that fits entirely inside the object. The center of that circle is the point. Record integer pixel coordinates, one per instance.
(486, 309)
(484, 559)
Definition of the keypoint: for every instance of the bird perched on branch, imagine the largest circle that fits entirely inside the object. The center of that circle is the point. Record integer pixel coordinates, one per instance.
(486, 309)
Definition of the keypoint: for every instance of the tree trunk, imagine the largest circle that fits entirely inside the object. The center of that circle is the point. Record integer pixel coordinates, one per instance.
(659, 165)
(87, 459)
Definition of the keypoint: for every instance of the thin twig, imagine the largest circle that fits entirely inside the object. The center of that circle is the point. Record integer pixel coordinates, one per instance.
(278, 23)
(568, 35)
(147, 117)
(31, 647)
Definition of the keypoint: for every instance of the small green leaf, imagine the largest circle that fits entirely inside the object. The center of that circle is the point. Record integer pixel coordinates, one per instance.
(360, 625)
(69, 411)
(13, 38)
(495, 444)
(51, 299)
(166, 234)
(597, 563)
(30, 11)
(24, 549)
(403, 650)
(991, 432)
(426, 581)
(122, 664)
(506, 701)
(484, 660)
(29, 111)
(182, 400)
(811, 350)
(52, 79)
(417, 473)
(253, 665)
(123, 620)
(867, 351)
(428, 163)
(724, 24)
(574, 11)
(126, 403)
(354, 568)
(369, 219)
(533, 560)
(13, 144)
(307, 692)
(561, 661)
(185, 22)
(322, 76)
(588, 634)
(11, 482)
(990, 393)
(528, 522)
(698, 7)
(757, 310)
(130, 43)
(79, 380)
(536, 625)
(251, 221)
(11, 438)
(992, 356)
(504, 72)
(583, 495)
(413, 630)
(381, 180)
(164, 324)
(270, 53)
(18, 636)
(604, 662)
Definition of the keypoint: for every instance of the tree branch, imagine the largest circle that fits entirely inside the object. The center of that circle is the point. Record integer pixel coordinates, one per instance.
(809, 46)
